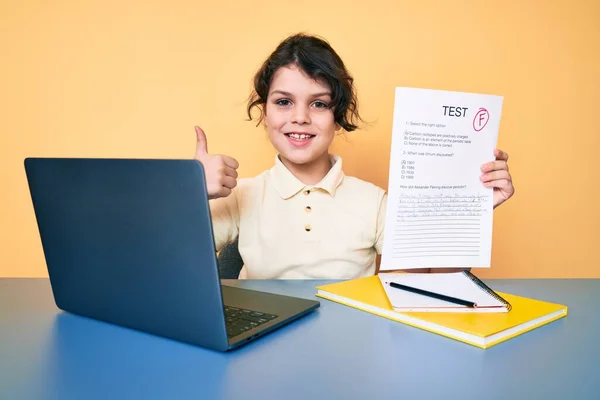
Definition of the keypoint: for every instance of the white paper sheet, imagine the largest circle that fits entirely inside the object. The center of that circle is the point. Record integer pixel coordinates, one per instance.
(439, 213)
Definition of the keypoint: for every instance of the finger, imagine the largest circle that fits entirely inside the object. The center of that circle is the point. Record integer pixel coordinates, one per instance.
(201, 144)
(230, 172)
(494, 166)
(224, 192)
(504, 185)
(231, 162)
(229, 182)
(494, 175)
(500, 155)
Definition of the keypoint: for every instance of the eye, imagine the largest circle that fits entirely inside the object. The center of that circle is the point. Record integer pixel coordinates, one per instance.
(320, 104)
(283, 102)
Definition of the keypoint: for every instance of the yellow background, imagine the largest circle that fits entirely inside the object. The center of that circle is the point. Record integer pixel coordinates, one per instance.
(131, 78)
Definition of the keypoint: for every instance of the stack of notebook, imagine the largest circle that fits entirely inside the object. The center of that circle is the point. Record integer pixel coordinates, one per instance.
(455, 305)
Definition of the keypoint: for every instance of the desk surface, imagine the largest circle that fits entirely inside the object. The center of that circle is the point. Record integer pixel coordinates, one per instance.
(337, 352)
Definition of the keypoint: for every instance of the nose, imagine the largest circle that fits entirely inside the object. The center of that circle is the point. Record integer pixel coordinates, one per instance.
(300, 115)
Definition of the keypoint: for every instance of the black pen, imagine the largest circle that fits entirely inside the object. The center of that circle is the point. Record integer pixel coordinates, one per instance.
(434, 295)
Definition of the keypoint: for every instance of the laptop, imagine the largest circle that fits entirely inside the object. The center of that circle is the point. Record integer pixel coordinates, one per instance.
(130, 242)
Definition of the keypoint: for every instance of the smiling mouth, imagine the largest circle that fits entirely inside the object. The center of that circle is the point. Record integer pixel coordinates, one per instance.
(300, 136)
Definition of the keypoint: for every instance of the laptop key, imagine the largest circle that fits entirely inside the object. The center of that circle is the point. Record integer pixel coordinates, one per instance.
(239, 320)
(233, 332)
(253, 319)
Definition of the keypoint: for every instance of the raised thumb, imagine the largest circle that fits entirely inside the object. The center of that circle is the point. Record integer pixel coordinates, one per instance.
(201, 144)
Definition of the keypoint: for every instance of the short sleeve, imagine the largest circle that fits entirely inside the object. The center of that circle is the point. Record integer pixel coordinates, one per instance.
(225, 219)
(380, 229)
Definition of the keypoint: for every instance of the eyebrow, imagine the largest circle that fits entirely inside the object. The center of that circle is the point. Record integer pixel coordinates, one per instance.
(290, 95)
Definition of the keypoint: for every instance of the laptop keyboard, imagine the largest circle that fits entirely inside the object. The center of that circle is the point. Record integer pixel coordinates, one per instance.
(239, 320)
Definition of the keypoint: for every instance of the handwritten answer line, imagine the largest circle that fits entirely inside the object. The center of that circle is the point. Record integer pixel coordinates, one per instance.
(439, 204)
(435, 214)
(440, 196)
(427, 201)
(440, 209)
(423, 219)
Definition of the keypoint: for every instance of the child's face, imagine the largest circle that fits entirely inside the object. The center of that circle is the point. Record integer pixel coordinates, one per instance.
(300, 123)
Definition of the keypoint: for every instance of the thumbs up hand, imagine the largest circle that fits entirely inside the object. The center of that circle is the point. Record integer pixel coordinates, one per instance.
(220, 171)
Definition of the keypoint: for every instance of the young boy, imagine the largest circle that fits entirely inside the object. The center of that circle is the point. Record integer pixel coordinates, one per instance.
(304, 218)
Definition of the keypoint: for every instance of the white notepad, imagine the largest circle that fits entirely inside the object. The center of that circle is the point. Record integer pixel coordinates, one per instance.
(463, 285)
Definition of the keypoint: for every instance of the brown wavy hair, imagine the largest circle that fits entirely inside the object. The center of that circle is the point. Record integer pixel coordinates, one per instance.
(317, 59)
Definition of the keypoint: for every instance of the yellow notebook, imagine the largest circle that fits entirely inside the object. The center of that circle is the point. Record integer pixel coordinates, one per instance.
(478, 329)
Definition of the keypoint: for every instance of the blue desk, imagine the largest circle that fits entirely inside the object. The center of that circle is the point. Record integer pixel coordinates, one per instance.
(336, 353)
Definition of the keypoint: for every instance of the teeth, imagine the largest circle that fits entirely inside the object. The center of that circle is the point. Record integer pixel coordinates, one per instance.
(299, 137)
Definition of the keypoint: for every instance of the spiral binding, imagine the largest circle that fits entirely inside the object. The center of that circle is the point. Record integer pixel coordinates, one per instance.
(487, 289)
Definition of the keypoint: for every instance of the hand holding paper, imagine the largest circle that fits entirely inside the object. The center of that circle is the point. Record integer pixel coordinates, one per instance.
(495, 174)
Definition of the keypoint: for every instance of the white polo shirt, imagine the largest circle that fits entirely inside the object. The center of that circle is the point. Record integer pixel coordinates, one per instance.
(289, 230)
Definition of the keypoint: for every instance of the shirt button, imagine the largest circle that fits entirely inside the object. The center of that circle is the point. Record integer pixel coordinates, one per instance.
(306, 192)
(307, 228)
(307, 209)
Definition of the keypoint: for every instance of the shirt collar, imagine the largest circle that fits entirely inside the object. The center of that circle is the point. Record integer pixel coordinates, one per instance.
(287, 185)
